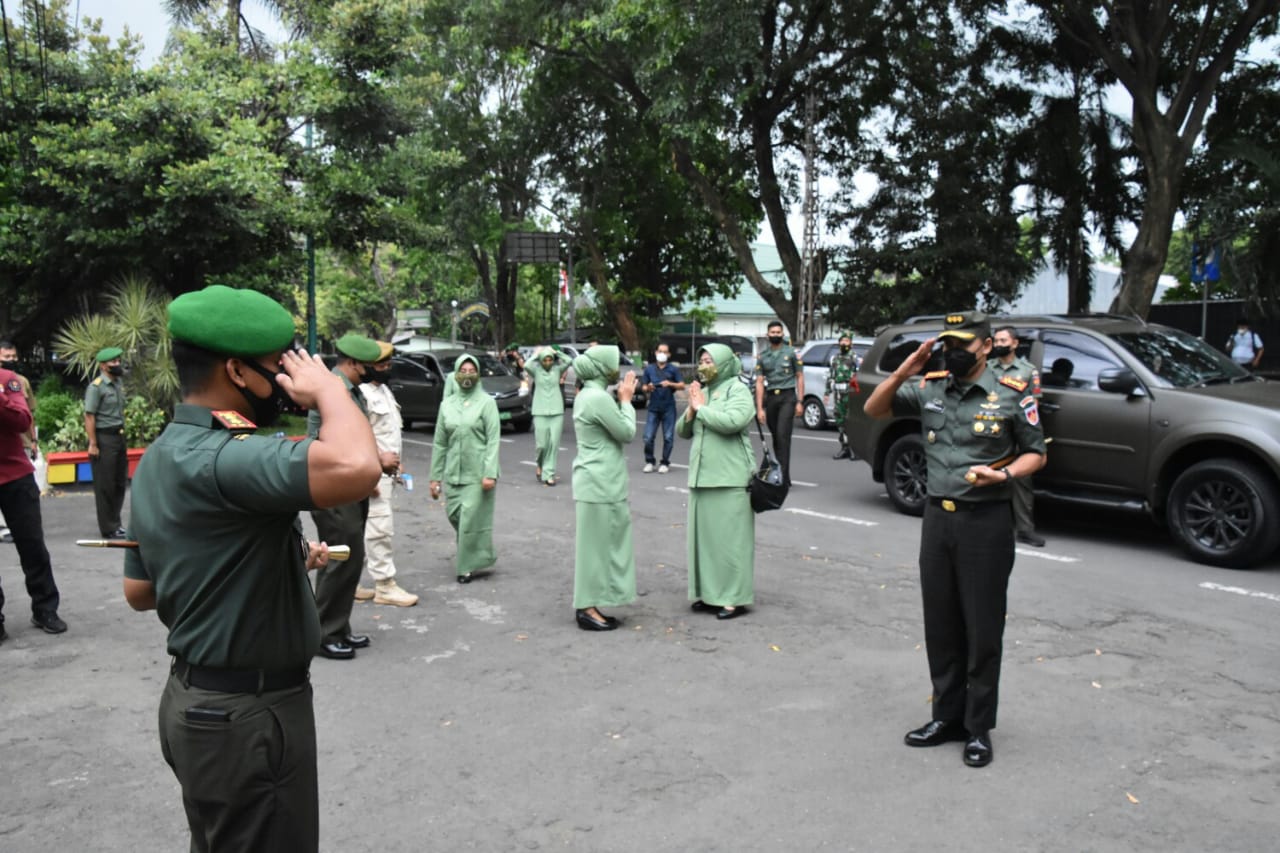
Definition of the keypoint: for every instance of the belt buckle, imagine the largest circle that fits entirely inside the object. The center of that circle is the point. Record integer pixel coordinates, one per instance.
(949, 505)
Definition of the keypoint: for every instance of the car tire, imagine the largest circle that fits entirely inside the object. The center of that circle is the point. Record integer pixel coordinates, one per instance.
(522, 424)
(814, 415)
(906, 475)
(1224, 514)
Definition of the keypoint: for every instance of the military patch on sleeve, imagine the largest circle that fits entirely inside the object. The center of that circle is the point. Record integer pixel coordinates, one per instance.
(1014, 383)
(1030, 410)
(231, 419)
(1035, 382)
(14, 385)
(937, 374)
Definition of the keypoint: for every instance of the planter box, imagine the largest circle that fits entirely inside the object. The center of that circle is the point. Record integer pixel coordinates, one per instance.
(74, 467)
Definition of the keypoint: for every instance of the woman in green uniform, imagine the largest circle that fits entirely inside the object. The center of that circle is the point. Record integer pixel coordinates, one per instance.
(722, 527)
(466, 458)
(546, 372)
(604, 573)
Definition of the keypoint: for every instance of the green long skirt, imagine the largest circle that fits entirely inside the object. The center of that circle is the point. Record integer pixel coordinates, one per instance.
(722, 547)
(470, 511)
(546, 437)
(604, 571)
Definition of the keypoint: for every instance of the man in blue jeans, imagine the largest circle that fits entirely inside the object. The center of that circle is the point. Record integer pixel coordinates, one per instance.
(661, 381)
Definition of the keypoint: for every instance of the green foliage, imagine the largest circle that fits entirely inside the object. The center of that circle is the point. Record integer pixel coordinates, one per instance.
(142, 421)
(68, 433)
(54, 407)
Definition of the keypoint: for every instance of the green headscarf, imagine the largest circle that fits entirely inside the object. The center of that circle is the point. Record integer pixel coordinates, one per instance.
(600, 362)
(728, 365)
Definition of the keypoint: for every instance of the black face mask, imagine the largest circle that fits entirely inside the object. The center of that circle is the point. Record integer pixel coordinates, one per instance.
(9, 365)
(1001, 352)
(267, 410)
(116, 370)
(774, 340)
(378, 376)
(960, 362)
(844, 348)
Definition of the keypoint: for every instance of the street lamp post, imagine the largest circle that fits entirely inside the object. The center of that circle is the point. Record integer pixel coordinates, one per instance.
(453, 323)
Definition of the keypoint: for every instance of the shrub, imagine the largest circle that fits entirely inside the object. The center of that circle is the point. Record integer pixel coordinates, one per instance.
(142, 422)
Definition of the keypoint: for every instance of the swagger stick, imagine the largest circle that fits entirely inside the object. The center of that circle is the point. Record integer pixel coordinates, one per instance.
(337, 553)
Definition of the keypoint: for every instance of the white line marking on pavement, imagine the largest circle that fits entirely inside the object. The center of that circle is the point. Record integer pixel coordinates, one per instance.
(416, 441)
(803, 483)
(858, 521)
(1031, 552)
(677, 489)
(1239, 590)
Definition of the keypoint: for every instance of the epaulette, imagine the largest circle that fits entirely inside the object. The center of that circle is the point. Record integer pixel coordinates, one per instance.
(937, 374)
(98, 381)
(231, 419)
(1014, 382)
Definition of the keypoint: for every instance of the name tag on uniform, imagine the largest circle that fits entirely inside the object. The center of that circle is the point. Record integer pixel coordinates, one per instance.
(934, 406)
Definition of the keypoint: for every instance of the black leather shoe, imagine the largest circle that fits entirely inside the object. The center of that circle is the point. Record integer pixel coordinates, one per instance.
(732, 612)
(1031, 539)
(357, 641)
(3, 636)
(936, 732)
(587, 622)
(977, 750)
(464, 578)
(701, 606)
(120, 533)
(843, 454)
(337, 651)
(48, 622)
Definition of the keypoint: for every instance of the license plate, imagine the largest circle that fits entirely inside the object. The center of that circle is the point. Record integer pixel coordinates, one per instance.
(504, 416)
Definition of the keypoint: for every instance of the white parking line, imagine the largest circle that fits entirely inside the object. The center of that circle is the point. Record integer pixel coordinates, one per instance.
(1035, 552)
(1239, 590)
(677, 489)
(858, 521)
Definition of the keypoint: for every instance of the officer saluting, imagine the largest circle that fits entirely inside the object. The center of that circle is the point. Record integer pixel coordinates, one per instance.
(981, 433)
(222, 560)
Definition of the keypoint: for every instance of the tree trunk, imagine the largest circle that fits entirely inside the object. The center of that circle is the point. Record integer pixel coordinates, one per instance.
(1146, 257)
(618, 308)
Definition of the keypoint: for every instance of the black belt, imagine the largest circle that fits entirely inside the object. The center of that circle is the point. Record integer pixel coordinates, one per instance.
(109, 430)
(780, 390)
(958, 505)
(239, 680)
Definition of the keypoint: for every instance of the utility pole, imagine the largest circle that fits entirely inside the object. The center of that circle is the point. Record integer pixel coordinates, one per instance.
(809, 283)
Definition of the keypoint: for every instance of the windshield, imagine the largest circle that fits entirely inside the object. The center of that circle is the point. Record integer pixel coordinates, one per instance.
(1180, 359)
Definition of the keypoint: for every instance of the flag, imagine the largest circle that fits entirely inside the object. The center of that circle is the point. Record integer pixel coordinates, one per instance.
(564, 283)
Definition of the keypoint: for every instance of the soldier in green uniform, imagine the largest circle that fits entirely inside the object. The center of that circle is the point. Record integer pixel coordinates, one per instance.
(108, 455)
(722, 528)
(778, 404)
(344, 525)
(465, 458)
(546, 371)
(1005, 361)
(222, 559)
(981, 433)
(843, 369)
(604, 573)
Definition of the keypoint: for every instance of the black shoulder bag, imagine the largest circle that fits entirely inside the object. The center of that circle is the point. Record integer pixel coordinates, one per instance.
(767, 486)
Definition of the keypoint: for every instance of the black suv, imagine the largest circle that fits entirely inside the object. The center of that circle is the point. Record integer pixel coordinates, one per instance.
(1141, 417)
(417, 380)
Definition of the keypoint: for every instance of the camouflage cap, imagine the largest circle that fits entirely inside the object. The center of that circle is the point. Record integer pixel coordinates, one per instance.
(967, 325)
(231, 321)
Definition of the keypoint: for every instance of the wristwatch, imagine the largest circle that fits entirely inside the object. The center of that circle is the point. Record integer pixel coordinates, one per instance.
(1008, 475)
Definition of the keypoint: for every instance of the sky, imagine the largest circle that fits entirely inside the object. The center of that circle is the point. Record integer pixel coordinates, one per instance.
(148, 19)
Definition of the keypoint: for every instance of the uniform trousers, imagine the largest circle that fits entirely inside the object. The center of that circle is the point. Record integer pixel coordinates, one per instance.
(248, 783)
(20, 505)
(110, 476)
(965, 561)
(1023, 506)
(547, 430)
(780, 415)
(842, 413)
(336, 582)
(379, 528)
(604, 567)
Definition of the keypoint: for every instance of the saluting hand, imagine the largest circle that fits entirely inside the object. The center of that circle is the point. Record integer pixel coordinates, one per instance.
(306, 378)
(918, 359)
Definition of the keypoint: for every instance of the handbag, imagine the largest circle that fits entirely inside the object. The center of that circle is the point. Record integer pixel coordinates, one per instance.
(767, 487)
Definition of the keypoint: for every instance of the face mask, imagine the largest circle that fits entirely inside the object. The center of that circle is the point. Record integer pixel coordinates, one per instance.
(267, 410)
(844, 348)
(661, 358)
(116, 370)
(466, 381)
(1001, 352)
(707, 373)
(775, 340)
(9, 365)
(960, 362)
(613, 376)
(378, 376)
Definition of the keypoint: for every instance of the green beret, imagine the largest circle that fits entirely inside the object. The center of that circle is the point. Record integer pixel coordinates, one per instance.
(108, 353)
(358, 347)
(230, 321)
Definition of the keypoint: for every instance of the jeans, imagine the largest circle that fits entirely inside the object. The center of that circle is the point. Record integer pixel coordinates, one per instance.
(668, 418)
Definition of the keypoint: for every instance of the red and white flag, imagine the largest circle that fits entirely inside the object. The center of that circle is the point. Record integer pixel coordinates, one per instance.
(564, 283)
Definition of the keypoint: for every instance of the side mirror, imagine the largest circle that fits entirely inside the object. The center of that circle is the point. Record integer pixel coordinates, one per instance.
(1120, 380)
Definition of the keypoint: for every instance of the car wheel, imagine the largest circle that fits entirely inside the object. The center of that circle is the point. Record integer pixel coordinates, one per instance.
(522, 425)
(814, 415)
(906, 474)
(1224, 514)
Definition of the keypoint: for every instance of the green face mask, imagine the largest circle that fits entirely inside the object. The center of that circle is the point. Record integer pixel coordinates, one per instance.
(707, 373)
(466, 381)
(613, 376)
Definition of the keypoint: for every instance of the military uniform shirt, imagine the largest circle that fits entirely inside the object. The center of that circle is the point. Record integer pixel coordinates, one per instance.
(970, 424)
(215, 515)
(104, 399)
(779, 367)
(842, 368)
(313, 416)
(1019, 368)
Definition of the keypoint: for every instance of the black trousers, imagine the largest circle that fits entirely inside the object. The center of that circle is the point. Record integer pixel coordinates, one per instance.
(249, 781)
(110, 476)
(20, 504)
(780, 415)
(336, 583)
(965, 562)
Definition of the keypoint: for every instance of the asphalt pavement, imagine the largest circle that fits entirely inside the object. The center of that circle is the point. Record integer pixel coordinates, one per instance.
(1139, 697)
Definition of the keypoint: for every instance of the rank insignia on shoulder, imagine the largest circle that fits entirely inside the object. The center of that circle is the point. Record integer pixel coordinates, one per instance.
(98, 381)
(1014, 383)
(231, 419)
(937, 374)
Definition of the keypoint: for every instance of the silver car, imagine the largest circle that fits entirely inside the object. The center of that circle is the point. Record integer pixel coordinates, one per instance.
(819, 406)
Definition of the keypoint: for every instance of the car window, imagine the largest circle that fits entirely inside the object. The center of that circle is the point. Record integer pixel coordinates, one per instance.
(1072, 360)
(818, 355)
(1180, 359)
(407, 370)
(903, 345)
